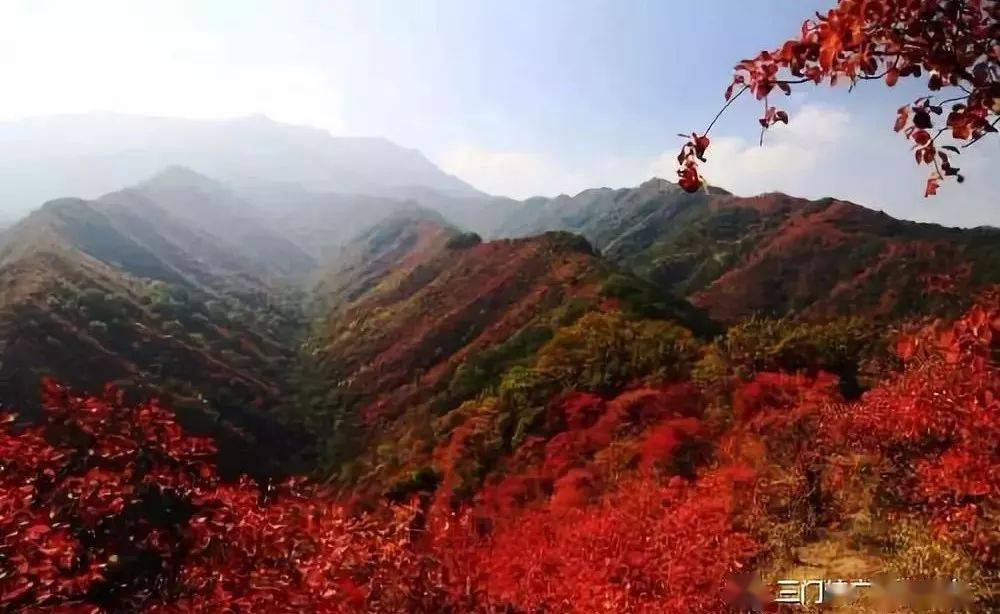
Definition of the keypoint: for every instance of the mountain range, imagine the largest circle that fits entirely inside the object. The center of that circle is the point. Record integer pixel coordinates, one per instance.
(344, 320)
(772, 254)
(89, 155)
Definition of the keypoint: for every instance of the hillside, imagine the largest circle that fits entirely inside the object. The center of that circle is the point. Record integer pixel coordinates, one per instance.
(419, 319)
(420, 329)
(92, 293)
(213, 210)
(323, 222)
(774, 254)
(319, 223)
(379, 256)
(480, 417)
(547, 414)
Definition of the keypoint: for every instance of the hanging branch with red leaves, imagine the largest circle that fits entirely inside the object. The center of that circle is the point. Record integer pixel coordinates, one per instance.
(955, 43)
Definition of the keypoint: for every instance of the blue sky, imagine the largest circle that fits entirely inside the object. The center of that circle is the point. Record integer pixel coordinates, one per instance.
(518, 97)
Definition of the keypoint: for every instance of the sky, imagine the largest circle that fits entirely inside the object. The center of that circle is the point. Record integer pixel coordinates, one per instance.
(520, 97)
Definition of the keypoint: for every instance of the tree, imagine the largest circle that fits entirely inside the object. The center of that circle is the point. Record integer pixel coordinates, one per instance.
(106, 506)
(954, 43)
(604, 351)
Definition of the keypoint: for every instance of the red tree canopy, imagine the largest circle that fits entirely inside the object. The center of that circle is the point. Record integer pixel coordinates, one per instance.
(106, 506)
(954, 44)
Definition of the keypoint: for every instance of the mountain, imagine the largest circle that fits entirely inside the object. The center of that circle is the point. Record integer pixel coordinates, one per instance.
(389, 249)
(524, 397)
(122, 291)
(319, 223)
(316, 189)
(92, 154)
(323, 222)
(421, 331)
(416, 318)
(178, 196)
(774, 254)
(600, 214)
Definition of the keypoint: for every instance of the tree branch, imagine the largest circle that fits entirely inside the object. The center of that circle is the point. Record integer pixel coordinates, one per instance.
(724, 107)
(973, 141)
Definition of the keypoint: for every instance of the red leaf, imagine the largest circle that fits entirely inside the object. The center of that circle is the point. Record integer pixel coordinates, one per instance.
(932, 187)
(891, 76)
(901, 118)
(921, 137)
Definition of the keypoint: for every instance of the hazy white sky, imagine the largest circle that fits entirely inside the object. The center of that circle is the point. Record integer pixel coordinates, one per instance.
(517, 97)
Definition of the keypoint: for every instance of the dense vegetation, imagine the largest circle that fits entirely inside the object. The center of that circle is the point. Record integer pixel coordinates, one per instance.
(637, 499)
(651, 399)
(774, 254)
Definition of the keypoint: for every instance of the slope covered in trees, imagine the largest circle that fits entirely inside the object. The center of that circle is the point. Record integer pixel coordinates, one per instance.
(424, 318)
(659, 498)
(775, 254)
(124, 291)
(488, 415)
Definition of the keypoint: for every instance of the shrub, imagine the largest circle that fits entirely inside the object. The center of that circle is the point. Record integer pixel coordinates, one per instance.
(464, 240)
(767, 344)
(604, 351)
(106, 506)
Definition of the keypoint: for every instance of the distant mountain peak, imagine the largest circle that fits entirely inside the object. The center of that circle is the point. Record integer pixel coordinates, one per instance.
(92, 154)
(657, 183)
(665, 185)
(178, 176)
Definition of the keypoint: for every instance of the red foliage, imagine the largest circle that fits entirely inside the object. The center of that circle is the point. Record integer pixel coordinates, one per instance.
(644, 547)
(955, 43)
(939, 421)
(788, 392)
(662, 440)
(110, 506)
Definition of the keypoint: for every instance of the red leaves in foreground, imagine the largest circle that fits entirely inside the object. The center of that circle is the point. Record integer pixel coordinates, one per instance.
(108, 506)
(691, 152)
(956, 44)
(941, 418)
(644, 547)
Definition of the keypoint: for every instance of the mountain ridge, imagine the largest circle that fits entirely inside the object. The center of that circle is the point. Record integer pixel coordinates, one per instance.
(691, 243)
(92, 154)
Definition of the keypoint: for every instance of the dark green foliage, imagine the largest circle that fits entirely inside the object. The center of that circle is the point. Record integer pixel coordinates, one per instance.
(691, 247)
(523, 388)
(568, 241)
(768, 344)
(96, 236)
(98, 305)
(464, 240)
(423, 481)
(984, 246)
(573, 310)
(481, 371)
(604, 351)
(644, 299)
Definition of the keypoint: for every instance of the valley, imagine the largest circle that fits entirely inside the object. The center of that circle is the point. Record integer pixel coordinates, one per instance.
(499, 307)
(566, 357)
(347, 337)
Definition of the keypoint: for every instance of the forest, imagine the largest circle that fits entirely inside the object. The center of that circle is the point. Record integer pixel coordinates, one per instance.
(423, 398)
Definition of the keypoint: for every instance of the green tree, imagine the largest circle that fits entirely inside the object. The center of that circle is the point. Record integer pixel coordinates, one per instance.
(604, 351)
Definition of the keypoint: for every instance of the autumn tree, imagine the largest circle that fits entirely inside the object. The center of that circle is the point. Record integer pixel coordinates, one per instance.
(108, 506)
(953, 44)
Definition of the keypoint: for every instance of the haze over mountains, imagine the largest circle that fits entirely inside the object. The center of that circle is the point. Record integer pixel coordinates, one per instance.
(269, 278)
(92, 154)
